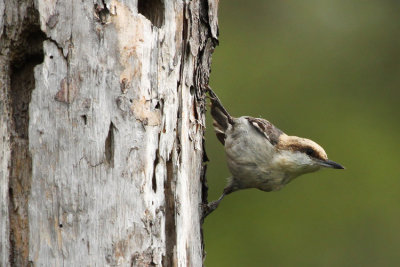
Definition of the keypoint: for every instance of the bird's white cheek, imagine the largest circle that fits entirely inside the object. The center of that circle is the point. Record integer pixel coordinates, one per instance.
(285, 164)
(294, 163)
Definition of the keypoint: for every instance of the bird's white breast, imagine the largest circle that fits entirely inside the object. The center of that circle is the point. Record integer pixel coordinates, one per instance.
(249, 156)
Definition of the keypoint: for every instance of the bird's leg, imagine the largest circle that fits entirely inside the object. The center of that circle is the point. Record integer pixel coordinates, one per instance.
(211, 206)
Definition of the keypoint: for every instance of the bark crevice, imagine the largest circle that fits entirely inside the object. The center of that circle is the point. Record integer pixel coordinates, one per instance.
(109, 146)
(154, 179)
(169, 259)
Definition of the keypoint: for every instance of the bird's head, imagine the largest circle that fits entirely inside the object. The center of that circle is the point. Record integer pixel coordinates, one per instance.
(300, 155)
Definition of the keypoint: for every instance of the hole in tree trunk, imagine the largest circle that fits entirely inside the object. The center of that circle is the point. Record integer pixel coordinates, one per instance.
(153, 10)
(84, 119)
(25, 53)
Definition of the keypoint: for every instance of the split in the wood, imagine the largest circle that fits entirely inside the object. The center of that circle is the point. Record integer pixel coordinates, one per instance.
(109, 146)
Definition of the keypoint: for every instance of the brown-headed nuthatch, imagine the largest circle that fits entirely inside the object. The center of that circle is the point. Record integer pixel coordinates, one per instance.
(259, 155)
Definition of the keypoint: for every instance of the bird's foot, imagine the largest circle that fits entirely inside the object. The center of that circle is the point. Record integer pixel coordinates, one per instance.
(209, 207)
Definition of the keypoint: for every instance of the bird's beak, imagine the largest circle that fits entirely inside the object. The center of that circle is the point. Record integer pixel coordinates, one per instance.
(330, 164)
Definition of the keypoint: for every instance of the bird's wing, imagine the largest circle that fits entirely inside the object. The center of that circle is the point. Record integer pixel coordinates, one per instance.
(267, 129)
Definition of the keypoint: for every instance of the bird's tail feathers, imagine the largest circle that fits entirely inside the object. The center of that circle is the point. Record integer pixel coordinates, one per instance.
(222, 118)
(219, 132)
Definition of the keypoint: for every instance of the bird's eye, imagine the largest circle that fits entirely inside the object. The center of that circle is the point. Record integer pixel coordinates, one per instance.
(310, 151)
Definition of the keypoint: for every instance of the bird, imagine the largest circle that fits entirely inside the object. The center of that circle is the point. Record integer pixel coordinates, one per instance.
(259, 155)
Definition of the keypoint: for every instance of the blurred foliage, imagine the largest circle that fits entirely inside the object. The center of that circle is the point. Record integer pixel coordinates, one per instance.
(327, 70)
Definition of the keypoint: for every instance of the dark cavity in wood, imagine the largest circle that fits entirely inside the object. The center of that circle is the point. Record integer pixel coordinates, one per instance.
(109, 146)
(154, 180)
(153, 10)
(25, 52)
(169, 260)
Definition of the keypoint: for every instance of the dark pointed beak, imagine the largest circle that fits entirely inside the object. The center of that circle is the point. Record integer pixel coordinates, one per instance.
(331, 164)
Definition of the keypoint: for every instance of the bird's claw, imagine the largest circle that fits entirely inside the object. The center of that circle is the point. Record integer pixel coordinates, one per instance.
(209, 207)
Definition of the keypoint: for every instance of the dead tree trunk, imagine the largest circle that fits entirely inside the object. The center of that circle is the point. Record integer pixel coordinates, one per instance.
(101, 131)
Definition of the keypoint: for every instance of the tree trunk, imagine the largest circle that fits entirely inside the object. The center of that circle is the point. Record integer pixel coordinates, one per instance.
(101, 124)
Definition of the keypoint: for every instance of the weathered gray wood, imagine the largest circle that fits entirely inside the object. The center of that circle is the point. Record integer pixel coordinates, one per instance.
(102, 122)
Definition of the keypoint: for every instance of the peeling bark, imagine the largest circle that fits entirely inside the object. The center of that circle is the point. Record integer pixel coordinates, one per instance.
(101, 124)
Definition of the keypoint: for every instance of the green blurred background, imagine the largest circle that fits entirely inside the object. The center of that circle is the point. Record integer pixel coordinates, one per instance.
(327, 70)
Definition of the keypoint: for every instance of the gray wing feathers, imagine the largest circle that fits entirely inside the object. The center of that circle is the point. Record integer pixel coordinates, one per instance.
(267, 129)
(222, 120)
